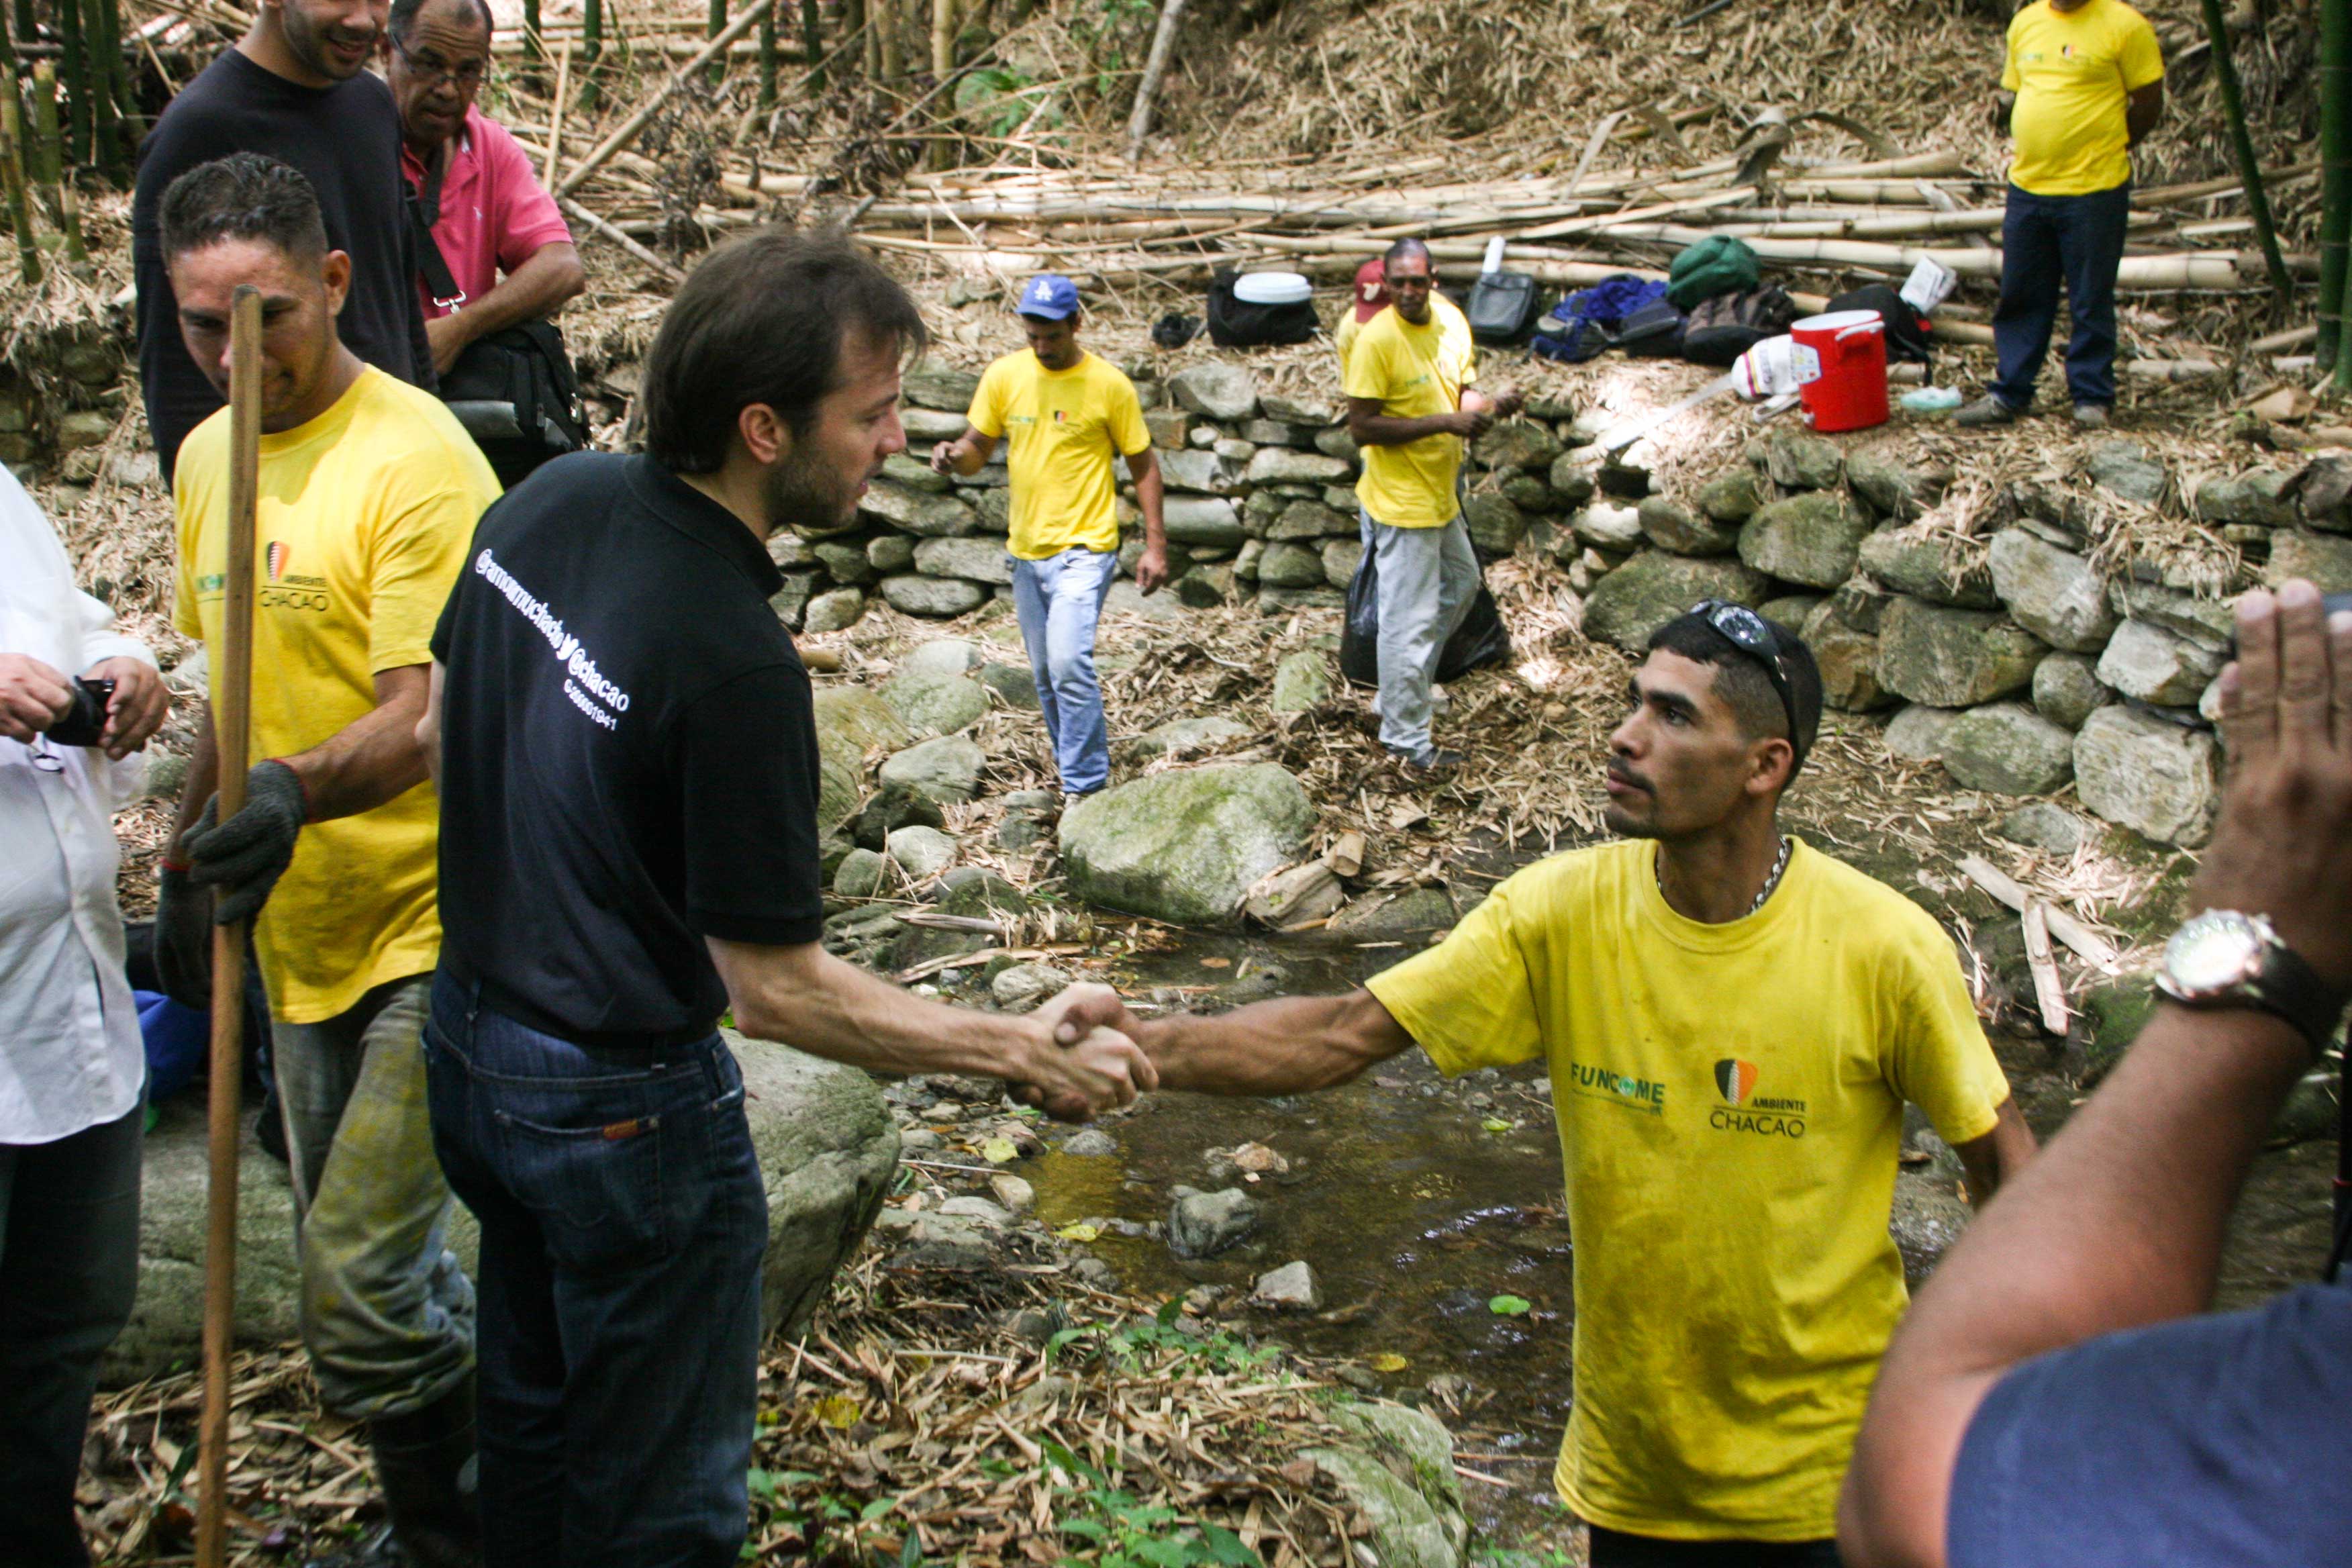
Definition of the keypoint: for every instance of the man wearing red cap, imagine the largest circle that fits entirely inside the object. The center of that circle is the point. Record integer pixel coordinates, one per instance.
(1371, 298)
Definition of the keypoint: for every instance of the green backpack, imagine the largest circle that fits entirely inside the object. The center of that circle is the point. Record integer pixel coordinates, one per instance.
(1719, 264)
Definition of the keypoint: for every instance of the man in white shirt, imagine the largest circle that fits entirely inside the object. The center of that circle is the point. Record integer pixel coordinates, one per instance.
(71, 1066)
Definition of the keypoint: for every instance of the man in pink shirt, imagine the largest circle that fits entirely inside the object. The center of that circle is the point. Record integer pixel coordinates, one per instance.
(488, 211)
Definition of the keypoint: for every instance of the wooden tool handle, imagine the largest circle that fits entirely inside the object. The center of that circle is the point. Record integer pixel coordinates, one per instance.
(230, 733)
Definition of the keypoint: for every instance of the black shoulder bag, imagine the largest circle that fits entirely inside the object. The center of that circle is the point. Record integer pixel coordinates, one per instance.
(513, 390)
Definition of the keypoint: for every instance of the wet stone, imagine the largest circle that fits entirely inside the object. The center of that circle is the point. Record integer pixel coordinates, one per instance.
(1202, 1225)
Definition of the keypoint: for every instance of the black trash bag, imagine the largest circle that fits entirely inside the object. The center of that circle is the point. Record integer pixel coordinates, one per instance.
(1174, 330)
(1480, 640)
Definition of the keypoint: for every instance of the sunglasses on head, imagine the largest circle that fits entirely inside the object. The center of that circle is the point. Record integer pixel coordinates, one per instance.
(1752, 635)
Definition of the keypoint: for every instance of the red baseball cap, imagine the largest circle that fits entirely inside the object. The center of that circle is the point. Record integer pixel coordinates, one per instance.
(1371, 289)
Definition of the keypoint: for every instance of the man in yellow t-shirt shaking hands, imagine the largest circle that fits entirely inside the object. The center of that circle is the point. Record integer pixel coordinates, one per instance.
(1070, 416)
(1411, 407)
(1732, 1022)
(369, 492)
(2083, 85)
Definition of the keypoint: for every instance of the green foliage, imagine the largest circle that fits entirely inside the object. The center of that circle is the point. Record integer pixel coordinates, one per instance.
(1509, 1306)
(1133, 1345)
(997, 100)
(1487, 1556)
(1124, 1534)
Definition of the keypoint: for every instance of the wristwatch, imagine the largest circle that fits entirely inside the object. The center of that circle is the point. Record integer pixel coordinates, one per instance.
(2226, 958)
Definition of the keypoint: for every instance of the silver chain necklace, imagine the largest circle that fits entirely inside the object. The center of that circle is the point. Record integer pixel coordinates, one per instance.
(1658, 869)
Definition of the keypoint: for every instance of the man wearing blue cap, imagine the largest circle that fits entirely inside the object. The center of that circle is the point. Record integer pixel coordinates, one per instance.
(1069, 414)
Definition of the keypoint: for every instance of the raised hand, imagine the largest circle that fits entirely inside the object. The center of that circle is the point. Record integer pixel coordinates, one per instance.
(2282, 847)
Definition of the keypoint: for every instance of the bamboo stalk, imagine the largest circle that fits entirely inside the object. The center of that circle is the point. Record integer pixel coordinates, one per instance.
(716, 26)
(231, 727)
(48, 166)
(12, 169)
(533, 38)
(592, 46)
(812, 38)
(2233, 108)
(768, 59)
(1155, 66)
(890, 23)
(71, 55)
(613, 232)
(97, 79)
(2335, 178)
(555, 115)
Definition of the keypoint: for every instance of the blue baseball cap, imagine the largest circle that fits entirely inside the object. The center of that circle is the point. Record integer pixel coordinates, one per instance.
(1050, 295)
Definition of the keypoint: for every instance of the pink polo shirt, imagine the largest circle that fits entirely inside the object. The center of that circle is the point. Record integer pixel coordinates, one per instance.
(494, 211)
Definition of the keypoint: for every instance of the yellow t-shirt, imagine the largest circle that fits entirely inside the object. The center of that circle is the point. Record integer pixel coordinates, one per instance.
(1730, 1107)
(1414, 371)
(1066, 427)
(1344, 336)
(363, 520)
(2071, 71)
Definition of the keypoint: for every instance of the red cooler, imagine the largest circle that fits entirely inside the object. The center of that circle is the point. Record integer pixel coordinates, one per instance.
(1845, 352)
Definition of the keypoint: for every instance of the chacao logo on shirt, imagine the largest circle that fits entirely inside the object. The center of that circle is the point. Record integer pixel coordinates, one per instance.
(1743, 1110)
(1602, 1083)
(287, 590)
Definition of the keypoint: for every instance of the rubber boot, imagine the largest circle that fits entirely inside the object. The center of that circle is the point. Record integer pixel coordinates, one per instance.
(424, 1463)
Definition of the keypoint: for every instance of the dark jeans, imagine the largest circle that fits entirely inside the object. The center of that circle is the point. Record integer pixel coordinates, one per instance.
(1613, 1550)
(69, 1271)
(2046, 241)
(623, 1223)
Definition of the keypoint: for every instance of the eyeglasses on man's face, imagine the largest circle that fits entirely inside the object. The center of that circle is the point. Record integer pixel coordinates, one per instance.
(431, 71)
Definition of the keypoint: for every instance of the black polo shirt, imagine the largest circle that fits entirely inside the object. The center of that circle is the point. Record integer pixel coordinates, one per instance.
(346, 140)
(628, 756)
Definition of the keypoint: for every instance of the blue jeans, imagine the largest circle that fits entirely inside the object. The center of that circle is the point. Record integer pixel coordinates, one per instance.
(1060, 599)
(2046, 241)
(623, 1223)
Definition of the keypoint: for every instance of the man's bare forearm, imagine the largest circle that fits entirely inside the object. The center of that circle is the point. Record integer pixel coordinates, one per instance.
(1151, 494)
(1996, 1158)
(2117, 1224)
(551, 275)
(1291, 1045)
(1069, 1050)
(1394, 430)
(375, 758)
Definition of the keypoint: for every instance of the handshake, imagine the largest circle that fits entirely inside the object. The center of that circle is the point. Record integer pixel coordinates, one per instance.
(1080, 1055)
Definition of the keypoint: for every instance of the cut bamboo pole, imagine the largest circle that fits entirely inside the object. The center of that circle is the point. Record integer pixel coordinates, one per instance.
(613, 232)
(2085, 941)
(2250, 168)
(231, 737)
(628, 129)
(2049, 988)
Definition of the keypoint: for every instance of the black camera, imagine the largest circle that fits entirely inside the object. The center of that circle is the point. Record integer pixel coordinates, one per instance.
(84, 722)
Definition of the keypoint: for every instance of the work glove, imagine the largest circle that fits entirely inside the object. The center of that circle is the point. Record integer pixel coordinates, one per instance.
(242, 858)
(184, 939)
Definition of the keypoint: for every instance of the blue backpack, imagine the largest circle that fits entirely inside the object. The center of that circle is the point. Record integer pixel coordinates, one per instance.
(1585, 324)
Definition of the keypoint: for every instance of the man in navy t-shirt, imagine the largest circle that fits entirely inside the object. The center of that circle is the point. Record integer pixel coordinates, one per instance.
(2053, 1400)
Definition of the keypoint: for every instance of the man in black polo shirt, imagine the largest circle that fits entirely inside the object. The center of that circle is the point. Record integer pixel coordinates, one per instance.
(628, 772)
(296, 87)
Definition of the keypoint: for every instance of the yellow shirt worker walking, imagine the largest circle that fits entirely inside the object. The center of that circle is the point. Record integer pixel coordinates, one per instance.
(2083, 82)
(1410, 409)
(1069, 416)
